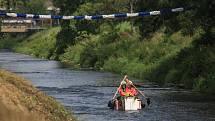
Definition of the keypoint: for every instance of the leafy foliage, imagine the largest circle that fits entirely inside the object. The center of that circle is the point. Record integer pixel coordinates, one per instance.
(41, 44)
(24, 6)
(172, 48)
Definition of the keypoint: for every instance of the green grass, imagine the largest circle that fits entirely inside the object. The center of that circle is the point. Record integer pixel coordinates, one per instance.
(162, 58)
(8, 41)
(41, 44)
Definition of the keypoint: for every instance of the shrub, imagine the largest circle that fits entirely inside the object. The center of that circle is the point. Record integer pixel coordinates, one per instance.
(41, 44)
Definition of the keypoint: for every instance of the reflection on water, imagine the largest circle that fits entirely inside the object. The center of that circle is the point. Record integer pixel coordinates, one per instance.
(86, 93)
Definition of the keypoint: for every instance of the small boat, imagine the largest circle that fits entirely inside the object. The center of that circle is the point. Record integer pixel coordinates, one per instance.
(129, 98)
(126, 104)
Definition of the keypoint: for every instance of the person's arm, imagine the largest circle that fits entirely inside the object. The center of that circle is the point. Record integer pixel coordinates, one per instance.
(134, 92)
(130, 82)
(121, 92)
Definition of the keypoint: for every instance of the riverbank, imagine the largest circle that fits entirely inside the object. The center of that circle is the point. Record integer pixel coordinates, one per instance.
(20, 101)
(186, 60)
(86, 93)
(162, 58)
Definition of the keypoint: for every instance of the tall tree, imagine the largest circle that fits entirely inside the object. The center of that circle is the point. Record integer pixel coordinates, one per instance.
(68, 33)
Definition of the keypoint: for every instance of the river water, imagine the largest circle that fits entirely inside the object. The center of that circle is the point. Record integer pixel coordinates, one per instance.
(86, 93)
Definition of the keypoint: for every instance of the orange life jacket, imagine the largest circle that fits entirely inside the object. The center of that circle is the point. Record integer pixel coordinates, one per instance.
(128, 92)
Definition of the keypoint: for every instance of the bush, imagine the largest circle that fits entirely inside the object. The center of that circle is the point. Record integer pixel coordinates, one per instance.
(162, 58)
(41, 44)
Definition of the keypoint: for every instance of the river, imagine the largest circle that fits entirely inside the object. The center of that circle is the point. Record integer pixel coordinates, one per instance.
(86, 92)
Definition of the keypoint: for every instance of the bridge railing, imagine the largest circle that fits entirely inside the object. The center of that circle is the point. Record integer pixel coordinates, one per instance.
(9, 25)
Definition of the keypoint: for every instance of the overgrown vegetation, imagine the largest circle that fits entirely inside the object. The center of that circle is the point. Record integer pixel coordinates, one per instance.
(24, 102)
(175, 48)
(25, 6)
(41, 44)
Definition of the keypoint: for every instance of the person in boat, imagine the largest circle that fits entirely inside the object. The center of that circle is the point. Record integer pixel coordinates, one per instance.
(126, 90)
(126, 80)
(131, 91)
(120, 99)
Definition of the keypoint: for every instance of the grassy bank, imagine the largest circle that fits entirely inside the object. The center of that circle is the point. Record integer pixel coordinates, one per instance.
(41, 44)
(161, 57)
(20, 101)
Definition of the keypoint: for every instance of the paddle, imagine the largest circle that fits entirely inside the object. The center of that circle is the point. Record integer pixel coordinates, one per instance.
(147, 99)
(119, 87)
(110, 103)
